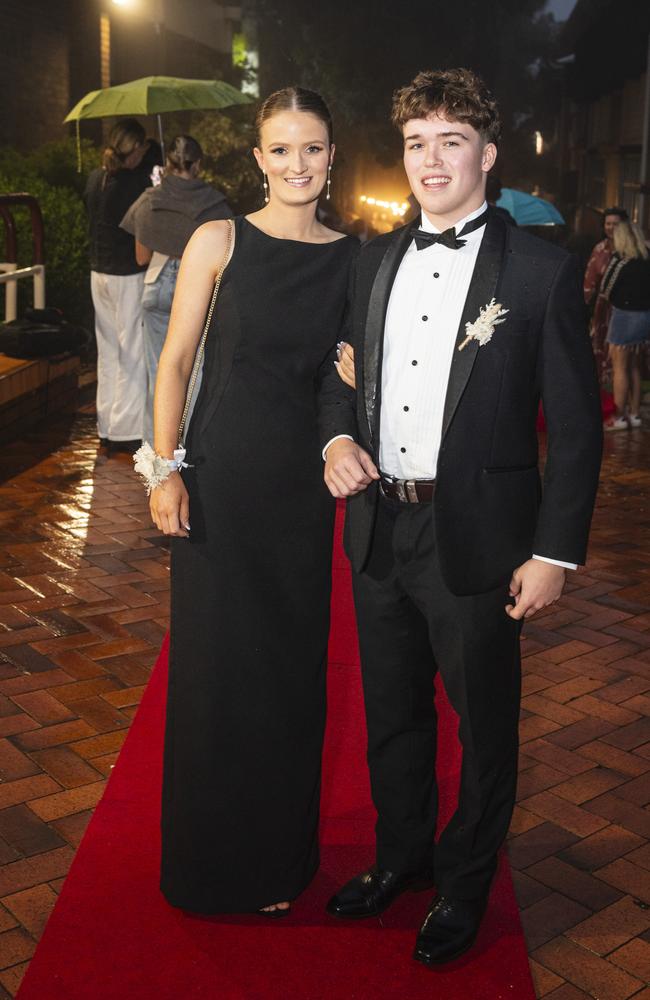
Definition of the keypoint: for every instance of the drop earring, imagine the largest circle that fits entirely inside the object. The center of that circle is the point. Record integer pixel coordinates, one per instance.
(329, 181)
(266, 188)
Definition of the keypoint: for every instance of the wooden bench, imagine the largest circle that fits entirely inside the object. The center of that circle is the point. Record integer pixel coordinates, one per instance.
(31, 391)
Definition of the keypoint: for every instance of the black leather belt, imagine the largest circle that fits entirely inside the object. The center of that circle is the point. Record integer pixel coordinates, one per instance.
(408, 490)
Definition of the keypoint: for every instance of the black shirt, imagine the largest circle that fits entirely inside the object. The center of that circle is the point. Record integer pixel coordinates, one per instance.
(107, 198)
(631, 289)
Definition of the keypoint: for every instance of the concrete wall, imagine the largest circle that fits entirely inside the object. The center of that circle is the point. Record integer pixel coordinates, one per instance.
(34, 75)
(603, 137)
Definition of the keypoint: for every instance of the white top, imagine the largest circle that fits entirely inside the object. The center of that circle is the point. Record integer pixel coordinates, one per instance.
(156, 264)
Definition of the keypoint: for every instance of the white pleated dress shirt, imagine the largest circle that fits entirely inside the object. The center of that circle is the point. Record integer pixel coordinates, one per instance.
(424, 313)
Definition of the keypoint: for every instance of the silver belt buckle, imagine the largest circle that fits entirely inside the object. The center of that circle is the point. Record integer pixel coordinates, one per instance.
(411, 491)
(401, 492)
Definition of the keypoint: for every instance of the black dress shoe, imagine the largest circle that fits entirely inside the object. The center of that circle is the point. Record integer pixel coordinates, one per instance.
(372, 892)
(449, 929)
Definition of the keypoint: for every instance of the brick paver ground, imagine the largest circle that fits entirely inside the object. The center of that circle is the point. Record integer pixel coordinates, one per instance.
(83, 609)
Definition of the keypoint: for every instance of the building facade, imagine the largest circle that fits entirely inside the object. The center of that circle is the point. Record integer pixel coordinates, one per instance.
(54, 53)
(605, 115)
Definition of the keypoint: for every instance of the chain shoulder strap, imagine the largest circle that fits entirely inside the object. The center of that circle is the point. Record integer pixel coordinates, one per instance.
(198, 360)
(611, 277)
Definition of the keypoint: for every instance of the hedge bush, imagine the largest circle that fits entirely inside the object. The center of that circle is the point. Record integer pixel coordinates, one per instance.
(50, 175)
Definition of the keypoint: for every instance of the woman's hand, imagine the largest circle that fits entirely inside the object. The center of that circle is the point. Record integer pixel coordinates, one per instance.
(345, 364)
(170, 507)
(143, 254)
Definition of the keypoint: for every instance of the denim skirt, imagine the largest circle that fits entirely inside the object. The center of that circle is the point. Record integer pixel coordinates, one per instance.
(628, 327)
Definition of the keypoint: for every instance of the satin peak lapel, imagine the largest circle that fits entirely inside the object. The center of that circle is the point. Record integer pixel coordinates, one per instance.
(374, 329)
(484, 287)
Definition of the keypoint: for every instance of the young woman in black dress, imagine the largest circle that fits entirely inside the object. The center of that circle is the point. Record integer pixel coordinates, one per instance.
(253, 522)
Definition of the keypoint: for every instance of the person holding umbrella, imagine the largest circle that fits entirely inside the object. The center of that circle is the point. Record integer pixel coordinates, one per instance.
(162, 221)
(116, 282)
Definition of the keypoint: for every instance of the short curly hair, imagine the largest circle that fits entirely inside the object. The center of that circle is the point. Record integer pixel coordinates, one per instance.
(459, 94)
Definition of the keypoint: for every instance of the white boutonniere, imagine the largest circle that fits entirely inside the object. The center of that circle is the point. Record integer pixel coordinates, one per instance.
(482, 328)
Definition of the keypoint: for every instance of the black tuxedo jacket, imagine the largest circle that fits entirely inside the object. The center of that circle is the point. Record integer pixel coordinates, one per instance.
(491, 513)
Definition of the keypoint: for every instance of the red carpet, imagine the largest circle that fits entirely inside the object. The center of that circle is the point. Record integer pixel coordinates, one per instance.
(112, 935)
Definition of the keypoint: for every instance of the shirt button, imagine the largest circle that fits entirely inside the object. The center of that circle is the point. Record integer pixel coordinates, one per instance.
(406, 409)
(402, 450)
(436, 274)
(424, 319)
(414, 363)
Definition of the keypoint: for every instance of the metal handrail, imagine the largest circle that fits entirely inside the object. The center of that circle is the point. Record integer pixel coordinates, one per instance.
(10, 273)
(11, 237)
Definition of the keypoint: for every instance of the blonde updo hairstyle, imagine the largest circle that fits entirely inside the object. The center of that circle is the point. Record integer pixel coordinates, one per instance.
(182, 154)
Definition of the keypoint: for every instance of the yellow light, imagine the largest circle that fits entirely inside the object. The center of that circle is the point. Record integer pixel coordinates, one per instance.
(539, 143)
(396, 208)
(123, 3)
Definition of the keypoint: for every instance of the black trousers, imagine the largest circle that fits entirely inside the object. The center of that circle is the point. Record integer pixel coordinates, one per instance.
(410, 626)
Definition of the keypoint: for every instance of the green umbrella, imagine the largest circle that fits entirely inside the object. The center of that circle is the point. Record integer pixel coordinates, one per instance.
(154, 95)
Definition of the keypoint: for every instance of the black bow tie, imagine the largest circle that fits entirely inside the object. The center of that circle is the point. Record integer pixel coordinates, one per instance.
(448, 238)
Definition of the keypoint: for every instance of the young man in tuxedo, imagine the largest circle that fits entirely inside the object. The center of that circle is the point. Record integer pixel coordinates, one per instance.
(452, 540)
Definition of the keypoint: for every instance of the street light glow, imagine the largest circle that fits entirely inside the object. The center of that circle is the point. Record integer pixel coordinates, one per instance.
(123, 3)
(397, 210)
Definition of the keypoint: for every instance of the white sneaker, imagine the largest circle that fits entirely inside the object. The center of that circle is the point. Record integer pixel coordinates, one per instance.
(635, 421)
(616, 424)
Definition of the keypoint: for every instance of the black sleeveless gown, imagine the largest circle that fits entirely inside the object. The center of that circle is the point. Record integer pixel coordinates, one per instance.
(251, 587)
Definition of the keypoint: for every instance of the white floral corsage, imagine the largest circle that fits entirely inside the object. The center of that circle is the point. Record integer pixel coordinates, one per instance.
(482, 328)
(154, 469)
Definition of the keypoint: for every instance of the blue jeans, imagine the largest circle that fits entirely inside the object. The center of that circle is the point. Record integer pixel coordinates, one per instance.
(157, 300)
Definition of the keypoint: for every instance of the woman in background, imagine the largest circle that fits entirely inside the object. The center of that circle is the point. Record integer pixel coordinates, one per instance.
(162, 221)
(116, 282)
(596, 267)
(626, 286)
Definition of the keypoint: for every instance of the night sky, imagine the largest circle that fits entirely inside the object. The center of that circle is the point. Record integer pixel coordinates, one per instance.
(560, 8)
